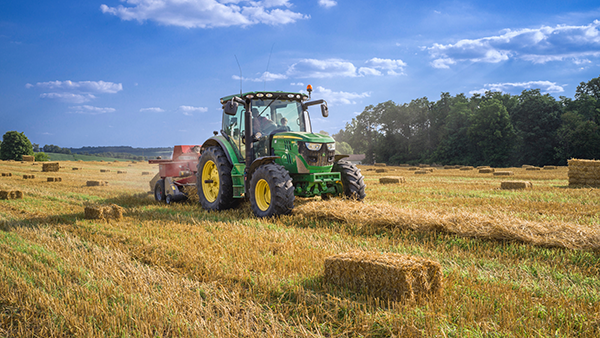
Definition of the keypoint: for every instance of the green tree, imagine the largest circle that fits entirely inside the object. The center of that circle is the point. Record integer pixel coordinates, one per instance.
(492, 132)
(41, 157)
(455, 147)
(343, 148)
(14, 146)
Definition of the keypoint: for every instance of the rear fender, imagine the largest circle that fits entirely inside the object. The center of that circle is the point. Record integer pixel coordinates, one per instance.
(225, 145)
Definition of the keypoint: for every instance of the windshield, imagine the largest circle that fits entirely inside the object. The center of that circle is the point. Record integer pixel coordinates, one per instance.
(278, 115)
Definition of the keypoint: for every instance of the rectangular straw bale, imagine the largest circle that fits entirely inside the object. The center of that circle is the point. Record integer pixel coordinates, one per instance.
(486, 170)
(584, 172)
(380, 170)
(421, 172)
(504, 173)
(7, 174)
(380, 164)
(75, 168)
(413, 168)
(28, 177)
(466, 168)
(104, 170)
(5, 195)
(96, 183)
(392, 180)
(391, 276)
(516, 185)
(54, 179)
(18, 194)
(28, 158)
(533, 168)
(448, 167)
(112, 211)
(549, 167)
(145, 173)
(49, 167)
(121, 172)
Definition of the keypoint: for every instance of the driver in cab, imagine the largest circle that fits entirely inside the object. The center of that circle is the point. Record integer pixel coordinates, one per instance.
(260, 123)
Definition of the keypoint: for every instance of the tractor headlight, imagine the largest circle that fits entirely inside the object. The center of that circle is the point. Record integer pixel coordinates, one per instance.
(331, 146)
(313, 146)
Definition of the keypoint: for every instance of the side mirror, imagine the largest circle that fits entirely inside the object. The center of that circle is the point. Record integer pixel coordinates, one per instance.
(231, 107)
(324, 110)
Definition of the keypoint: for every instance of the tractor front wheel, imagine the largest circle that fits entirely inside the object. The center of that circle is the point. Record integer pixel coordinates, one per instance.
(159, 191)
(213, 180)
(353, 182)
(271, 191)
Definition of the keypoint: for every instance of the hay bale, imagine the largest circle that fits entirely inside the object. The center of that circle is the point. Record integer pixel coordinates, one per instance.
(50, 167)
(5, 195)
(466, 168)
(391, 276)
(380, 164)
(533, 168)
(104, 170)
(96, 183)
(28, 177)
(549, 167)
(75, 168)
(486, 170)
(380, 170)
(9, 195)
(504, 173)
(6, 174)
(413, 168)
(421, 172)
(18, 194)
(121, 172)
(516, 185)
(145, 173)
(391, 180)
(54, 179)
(28, 158)
(105, 212)
(584, 172)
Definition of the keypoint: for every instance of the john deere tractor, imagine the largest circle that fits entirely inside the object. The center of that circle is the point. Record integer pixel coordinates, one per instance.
(267, 152)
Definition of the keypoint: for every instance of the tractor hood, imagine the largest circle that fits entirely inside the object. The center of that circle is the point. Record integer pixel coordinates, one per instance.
(304, 137)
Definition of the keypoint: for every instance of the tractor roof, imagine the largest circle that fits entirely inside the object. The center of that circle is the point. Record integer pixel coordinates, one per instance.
(268, 95)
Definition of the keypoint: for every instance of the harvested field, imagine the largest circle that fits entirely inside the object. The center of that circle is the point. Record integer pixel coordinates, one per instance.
(513, 263)
(389, 276)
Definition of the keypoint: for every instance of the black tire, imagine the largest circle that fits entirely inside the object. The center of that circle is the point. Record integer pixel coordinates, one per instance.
(159, 191)
(353, 181)
(280, 199)
(218, 195)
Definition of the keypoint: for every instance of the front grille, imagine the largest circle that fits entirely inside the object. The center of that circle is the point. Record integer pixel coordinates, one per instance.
(320, 158)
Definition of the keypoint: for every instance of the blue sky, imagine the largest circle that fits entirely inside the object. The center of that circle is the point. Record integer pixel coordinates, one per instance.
(149, 73)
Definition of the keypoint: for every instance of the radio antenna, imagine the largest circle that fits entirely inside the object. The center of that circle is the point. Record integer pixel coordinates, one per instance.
(268, 62)
(241, 76)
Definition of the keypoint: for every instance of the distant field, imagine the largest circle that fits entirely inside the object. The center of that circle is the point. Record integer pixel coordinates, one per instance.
(516, 263)
(79, 157)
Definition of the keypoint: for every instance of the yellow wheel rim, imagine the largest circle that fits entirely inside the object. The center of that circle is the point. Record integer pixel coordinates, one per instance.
(262, 194)
(210, 181)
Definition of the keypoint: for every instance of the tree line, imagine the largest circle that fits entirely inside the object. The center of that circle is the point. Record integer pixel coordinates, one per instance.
(495, 129)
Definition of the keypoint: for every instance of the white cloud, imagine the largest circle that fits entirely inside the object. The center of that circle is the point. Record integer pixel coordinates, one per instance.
(90, 110)
(313, 68)
(339, 97)
(266, 76)
(544, 86)
(538, 45)
(327, 3)
(188, 110)
(393, 67)
(152, 110)
(75, 92)
(206, 13)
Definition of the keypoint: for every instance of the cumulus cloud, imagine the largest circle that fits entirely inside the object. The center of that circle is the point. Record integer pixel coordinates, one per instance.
(536, 45)
(339, 97)
(544, 86)
(90, 110)
(266, 76)
(152, 110)
(75, 92)
(206, 13)
(376, 65)
(327, 3)
(189, 110)
(313, 68)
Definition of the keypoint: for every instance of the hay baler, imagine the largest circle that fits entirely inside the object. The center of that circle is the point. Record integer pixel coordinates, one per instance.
(266, 152)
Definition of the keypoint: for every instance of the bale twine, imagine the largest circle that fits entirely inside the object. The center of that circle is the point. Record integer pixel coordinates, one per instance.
(49, 167)
(391, 276)
(54, 179)
(391, 180)
(96, 183)
(584, 172)
(466, 168)
(486, 170)
(28, 177)
(105, 212)
(504, 173)
(533, 168)
(6, 174)
(28, 158)
(549, 167)
(516, 185)
(380, 170)
(421, 172)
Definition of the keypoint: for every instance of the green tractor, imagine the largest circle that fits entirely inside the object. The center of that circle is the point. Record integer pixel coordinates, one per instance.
(268, 153)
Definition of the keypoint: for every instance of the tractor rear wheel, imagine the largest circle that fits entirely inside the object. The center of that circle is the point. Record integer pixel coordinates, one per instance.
(159, 191)
(213, 180)
(353, 182)
(271, 191)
